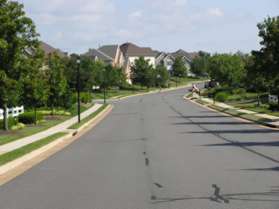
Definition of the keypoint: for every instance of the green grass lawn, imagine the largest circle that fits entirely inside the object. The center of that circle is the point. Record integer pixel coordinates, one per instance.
(85, 120)
(9, 136)
(183, 81)
(49, 121)
(10, 156)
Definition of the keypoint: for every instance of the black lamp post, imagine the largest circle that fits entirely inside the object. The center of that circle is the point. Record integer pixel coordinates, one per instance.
(104, 85)
(78, 88)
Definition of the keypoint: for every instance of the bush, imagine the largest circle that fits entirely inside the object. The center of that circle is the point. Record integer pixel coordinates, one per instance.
(239, 91)
(221, 96)
(29, 117)
(86, 97)
(11, 122)
(273, 107)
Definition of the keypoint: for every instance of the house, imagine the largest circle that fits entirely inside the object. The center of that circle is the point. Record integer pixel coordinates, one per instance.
(133, 52)
(109, 54)
(187, 58)
(165, 59)
(48, 50)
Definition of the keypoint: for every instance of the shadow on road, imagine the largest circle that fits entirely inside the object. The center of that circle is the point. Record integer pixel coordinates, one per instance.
(245, 144)
(263, 169)
(240, 131)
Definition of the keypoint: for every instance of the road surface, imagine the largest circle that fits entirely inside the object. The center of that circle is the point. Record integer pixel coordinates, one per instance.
(157, 152)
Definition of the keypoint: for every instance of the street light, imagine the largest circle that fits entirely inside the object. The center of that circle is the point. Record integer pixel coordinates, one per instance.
(78, 88)
(104, 85)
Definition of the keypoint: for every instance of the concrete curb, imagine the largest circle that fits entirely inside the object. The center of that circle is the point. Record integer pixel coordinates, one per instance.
(17, 167)
(263, 124)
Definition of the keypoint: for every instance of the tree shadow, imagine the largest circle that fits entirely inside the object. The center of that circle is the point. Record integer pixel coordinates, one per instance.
(245, 144)
(248, 197)
(214, 123)
(240, 131)
(276, 169)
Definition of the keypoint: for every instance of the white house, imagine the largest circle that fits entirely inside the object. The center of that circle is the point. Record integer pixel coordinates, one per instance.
(133, 52)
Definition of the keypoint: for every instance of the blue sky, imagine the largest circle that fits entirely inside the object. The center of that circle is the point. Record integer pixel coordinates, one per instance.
(210, 25)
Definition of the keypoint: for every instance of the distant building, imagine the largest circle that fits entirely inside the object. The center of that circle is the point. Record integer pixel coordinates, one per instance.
(133, 52)
(48, 49)
(109, 54)
(165, 59)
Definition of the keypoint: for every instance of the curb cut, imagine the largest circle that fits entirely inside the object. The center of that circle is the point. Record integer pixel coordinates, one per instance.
(20, 165)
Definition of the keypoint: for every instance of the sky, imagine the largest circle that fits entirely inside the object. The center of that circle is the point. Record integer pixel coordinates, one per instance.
(223, 26)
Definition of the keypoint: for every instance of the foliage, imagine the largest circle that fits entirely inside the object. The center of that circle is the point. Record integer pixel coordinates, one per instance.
(266, 60)
(30, 118)
(86, 97)
(221, 96)
(227, 69)
(143, 73)
(56, 81)
(17, 33)
(163, 76)
(11, 121)
(199, 65)
(179, 68)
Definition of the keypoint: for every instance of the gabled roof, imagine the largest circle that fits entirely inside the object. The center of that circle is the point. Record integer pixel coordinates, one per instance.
(93, 53)
(131, 50)
(182, 53)
(109, 50)
(50, 50)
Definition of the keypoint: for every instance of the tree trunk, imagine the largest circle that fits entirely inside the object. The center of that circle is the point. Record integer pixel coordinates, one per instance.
(258, 99)
(5, 116)
(35, 115)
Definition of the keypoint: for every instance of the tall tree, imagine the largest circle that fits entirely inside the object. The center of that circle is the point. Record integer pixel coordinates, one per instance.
(143, 73)
(56, 80)
(227, 69)
(34, 88)
(267, 58)
(163, 76)
(17, 33)
(179, 67)
(200, 64)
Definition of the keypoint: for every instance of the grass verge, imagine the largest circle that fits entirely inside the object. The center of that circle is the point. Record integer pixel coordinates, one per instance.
(250, 117)
(10, 156)
(88, 118)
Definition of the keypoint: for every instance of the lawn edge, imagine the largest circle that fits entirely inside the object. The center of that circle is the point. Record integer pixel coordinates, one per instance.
(238, 117)
(20, 165)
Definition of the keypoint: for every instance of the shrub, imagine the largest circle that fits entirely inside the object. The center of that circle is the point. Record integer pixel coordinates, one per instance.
(11, 122)
(29, 117)
(273, 107)
(239, 91)
(221, 96)
(86, 97)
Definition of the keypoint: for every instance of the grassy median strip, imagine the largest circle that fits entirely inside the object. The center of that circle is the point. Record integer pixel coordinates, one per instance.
(88, 118)
(10, 156)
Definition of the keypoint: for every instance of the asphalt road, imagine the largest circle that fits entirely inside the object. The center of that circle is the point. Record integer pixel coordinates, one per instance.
(157, 152)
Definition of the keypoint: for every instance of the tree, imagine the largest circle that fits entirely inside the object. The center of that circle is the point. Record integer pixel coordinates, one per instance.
(163, 76)
(56, 81)
(267, 58)
(179, 68)
(34, 89)
(17, 33)
(227, 69)
(200, 64)
(143, 73)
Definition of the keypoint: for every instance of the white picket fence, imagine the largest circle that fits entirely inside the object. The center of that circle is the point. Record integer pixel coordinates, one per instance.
(12, 112)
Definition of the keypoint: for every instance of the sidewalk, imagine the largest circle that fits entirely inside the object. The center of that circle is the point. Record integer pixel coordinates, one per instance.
(265, 119)
(62, 127)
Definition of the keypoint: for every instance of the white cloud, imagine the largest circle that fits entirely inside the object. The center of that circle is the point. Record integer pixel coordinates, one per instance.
(136, 14)
(217, 12)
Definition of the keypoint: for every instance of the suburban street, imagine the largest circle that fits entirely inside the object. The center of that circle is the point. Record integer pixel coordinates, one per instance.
(157, 151)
